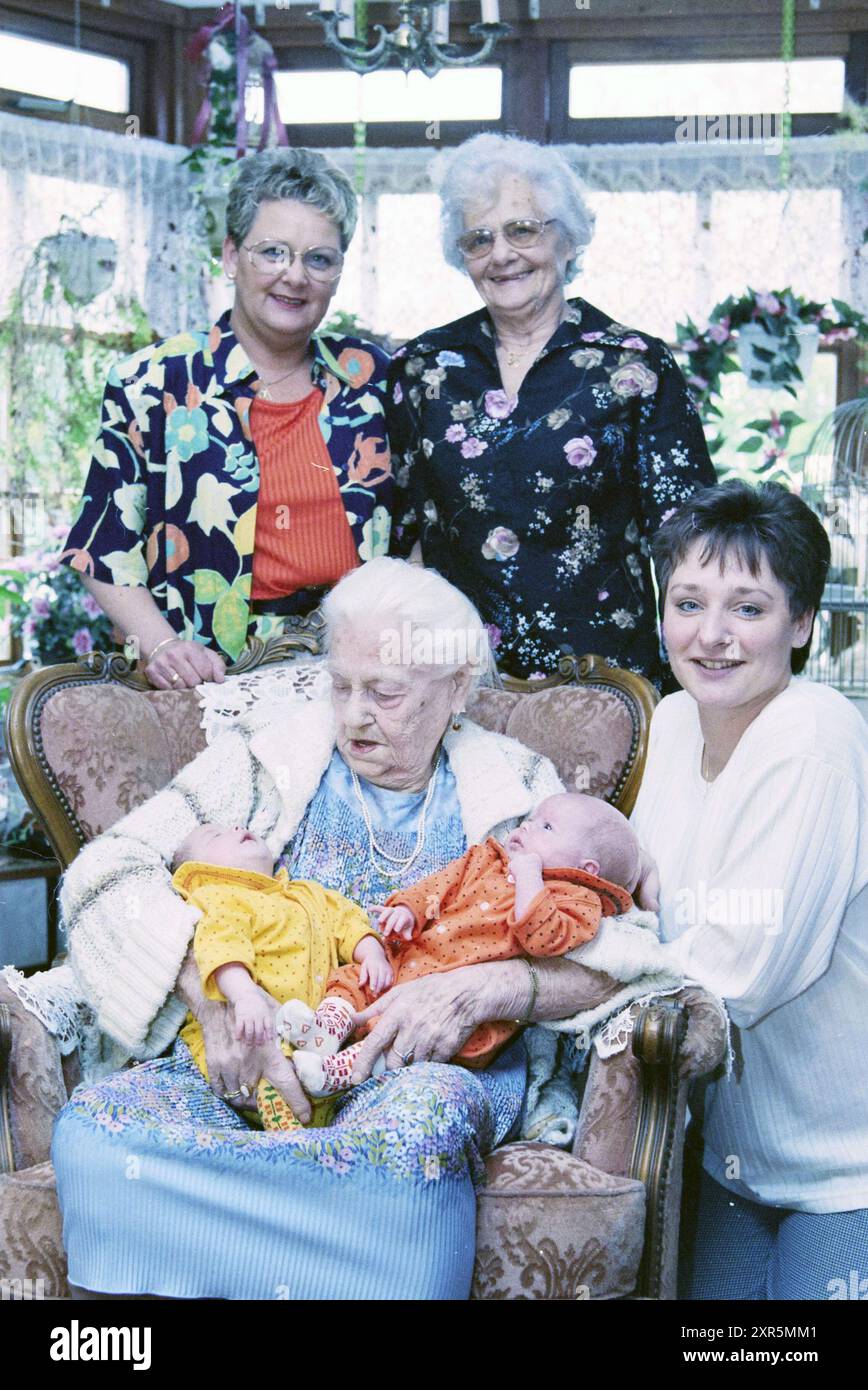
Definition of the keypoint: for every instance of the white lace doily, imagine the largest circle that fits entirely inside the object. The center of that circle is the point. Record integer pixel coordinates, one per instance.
(55, 997)
(224, 705)
(615, 1033)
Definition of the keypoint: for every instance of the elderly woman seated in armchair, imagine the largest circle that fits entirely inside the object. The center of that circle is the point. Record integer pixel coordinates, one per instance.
(380, 786)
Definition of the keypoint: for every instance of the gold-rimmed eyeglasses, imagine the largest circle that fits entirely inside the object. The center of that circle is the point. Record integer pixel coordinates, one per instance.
(271, 257)
(520, 232)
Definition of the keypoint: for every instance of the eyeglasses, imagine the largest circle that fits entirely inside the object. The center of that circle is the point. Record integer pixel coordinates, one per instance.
(320, 262)
(520, 232)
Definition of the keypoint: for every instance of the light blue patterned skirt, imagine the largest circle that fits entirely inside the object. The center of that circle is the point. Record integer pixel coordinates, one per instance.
(164, 1190)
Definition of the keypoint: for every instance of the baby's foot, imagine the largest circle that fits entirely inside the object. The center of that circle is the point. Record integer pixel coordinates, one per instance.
(295, 1023)
(323, 1076)
(334, 1019)
(321, 1032)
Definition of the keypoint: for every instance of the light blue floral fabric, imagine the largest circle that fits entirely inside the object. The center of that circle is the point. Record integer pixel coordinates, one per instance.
(164, 1188)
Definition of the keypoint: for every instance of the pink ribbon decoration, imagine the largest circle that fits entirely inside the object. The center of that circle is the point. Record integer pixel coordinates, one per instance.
(271, 114)
(196, 50)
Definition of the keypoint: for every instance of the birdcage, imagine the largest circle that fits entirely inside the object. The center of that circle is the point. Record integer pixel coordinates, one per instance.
(835, 485)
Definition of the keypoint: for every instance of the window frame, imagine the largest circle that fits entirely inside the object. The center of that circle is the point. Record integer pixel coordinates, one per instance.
(567, 129)
(400, 135)
(129, 51)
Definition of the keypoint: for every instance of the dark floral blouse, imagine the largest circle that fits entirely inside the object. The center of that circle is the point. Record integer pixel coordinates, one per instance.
(540, 507)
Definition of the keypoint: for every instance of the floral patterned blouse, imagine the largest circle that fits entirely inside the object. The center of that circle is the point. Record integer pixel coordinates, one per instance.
(540, 506)
(170, 497)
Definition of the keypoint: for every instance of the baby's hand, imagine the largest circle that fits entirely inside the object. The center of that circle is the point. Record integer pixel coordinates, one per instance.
(521, 863)
(375, 972)
(397, 921)
(253, 1019)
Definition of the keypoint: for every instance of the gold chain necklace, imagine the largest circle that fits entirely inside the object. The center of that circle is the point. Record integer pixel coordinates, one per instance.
(512, 357)
(264, 392)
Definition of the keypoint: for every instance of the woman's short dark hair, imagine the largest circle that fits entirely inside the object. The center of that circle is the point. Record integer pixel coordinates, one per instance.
(752, 522)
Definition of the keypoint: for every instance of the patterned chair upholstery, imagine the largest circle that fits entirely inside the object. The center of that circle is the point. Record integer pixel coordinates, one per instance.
(89, 742)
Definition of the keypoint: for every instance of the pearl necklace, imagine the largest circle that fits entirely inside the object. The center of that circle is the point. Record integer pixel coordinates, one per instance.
(403, 865)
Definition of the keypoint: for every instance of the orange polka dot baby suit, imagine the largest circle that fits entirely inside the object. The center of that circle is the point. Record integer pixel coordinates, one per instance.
(465, 914)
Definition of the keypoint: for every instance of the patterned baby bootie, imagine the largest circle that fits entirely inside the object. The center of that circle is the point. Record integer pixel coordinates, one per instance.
(323, 1076)
(321, 1032)
(273, 1109)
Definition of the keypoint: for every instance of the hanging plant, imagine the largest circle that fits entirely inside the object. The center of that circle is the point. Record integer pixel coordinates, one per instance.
(54, 369)
(82, 264)
(771, 337)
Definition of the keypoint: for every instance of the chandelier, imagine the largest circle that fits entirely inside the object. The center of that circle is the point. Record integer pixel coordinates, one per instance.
(421, 39)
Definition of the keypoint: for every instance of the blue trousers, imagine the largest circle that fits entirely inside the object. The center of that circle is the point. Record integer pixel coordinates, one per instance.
(738, 1249)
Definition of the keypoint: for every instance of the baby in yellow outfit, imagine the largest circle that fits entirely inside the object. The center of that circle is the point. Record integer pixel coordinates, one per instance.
(262, 928)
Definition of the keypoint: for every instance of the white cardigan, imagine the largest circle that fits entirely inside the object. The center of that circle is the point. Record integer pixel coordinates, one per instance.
(764, 875)
(129, 930)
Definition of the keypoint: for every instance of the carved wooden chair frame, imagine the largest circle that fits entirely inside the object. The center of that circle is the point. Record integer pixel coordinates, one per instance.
(659, 1027)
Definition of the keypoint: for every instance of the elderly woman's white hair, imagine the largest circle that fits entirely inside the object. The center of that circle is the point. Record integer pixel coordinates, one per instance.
(475, 171)
(424, 620)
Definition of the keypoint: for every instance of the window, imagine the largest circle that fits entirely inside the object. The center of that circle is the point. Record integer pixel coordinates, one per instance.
(63, 74)
(333, 96)
(611, 90)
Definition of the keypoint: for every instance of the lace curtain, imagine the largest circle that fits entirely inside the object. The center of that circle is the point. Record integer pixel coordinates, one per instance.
(128, 189)
(679, 226)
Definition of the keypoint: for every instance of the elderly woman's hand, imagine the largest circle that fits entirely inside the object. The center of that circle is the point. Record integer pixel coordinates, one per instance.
(235, 1068)
(425, 1020)
(182, 665)
(429, 1020)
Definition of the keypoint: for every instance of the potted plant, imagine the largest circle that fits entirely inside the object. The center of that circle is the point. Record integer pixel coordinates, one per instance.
(48, 607)
(771, 336)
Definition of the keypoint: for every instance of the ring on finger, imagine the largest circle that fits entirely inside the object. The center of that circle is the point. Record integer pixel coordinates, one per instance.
(245, 1092)
(174, 678)
(407, 1057)
(231, 1095)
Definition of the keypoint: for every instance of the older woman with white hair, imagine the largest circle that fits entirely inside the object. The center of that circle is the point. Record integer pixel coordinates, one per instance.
(539, 443)
(241, 471)
(365, 792)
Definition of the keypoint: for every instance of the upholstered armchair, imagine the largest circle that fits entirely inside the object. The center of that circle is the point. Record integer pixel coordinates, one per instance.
(90, 741)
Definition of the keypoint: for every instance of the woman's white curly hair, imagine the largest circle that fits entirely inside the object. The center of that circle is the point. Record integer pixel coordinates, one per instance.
(424, 620)
(475, 171)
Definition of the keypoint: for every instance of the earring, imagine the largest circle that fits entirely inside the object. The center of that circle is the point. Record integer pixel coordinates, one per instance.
(230, 278)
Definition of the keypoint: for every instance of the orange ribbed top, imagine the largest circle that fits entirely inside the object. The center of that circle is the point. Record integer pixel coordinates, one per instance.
(303, 538)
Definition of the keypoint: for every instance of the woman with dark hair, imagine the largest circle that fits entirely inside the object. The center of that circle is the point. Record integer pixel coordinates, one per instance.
(753, 805)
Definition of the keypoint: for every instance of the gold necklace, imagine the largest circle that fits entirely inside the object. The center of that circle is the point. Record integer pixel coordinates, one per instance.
(512, 357)
(264, 392)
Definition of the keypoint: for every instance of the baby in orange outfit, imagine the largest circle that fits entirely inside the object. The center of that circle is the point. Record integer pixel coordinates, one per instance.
(573, 861)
